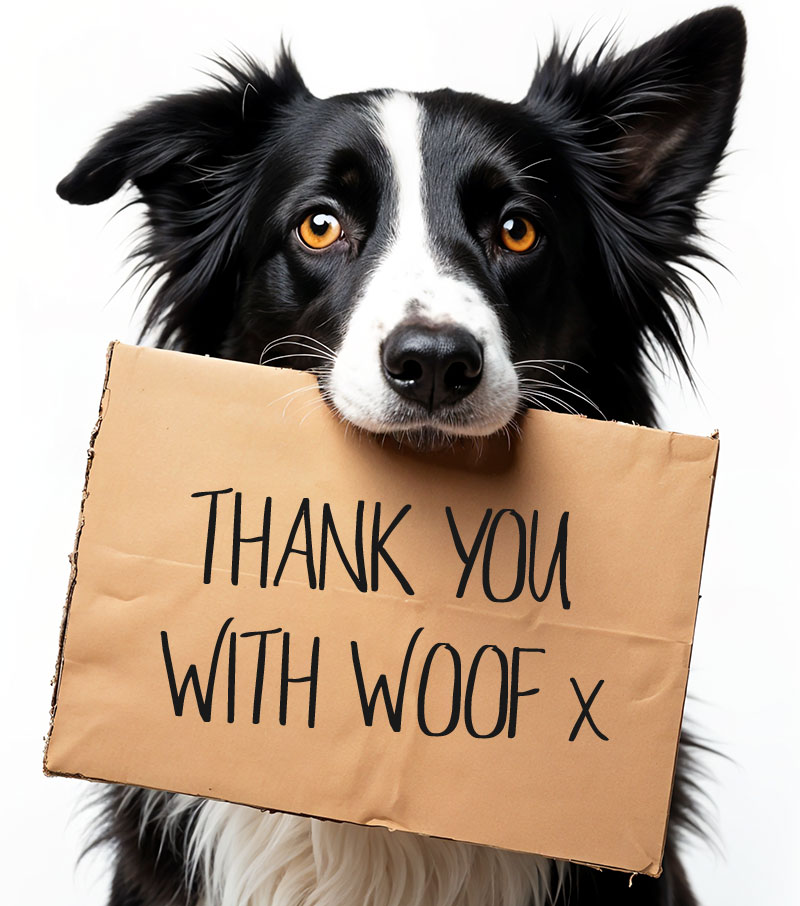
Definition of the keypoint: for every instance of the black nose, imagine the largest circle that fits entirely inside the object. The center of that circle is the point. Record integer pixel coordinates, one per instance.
(435, 366)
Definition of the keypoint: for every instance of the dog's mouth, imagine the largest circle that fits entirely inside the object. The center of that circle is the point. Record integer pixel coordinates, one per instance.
(423, 428)
(431, 439)
(439, 389)
(458, 411)
(428, 387)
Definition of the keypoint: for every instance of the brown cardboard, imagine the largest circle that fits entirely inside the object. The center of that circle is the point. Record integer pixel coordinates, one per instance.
(173, 425)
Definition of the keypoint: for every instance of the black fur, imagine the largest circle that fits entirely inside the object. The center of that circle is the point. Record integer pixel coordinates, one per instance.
(610, 157)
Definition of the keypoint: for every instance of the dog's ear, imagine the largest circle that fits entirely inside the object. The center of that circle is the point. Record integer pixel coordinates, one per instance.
(166, 144)
(660, 115)
(644, 133)
(192, 157)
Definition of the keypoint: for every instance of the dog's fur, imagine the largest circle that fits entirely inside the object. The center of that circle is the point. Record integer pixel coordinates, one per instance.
(607, 158)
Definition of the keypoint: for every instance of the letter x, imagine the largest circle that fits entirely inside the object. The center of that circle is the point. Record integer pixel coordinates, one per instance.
(585, 705)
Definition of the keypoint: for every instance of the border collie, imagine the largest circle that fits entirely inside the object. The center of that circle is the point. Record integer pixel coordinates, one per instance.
(442, 262)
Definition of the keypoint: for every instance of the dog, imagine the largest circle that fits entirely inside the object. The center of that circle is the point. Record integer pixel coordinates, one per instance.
(441, 262)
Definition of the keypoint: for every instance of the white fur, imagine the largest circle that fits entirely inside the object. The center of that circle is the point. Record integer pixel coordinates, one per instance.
(245, 857)
(409, 280)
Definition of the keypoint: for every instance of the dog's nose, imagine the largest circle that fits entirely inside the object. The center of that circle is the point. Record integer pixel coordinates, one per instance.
(434, 366)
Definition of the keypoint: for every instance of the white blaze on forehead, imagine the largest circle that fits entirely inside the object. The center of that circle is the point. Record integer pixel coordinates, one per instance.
(408, 282)
(400, 130)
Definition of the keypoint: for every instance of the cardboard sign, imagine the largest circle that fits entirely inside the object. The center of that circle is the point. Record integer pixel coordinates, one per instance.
(489, 643)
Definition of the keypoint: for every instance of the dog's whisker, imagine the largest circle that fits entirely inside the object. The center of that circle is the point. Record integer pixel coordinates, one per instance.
(311, 411)
(544, 160)
(291, 393)
(293, 397)
(301, 340)
(533, 399)
(312, 353)
(565, 387)
(558, 376)
(554, 362)
(559, 402)
(535, 179)
(306, 403)
(294, 355)
(313, 349)
(562, 381)
(300, 336)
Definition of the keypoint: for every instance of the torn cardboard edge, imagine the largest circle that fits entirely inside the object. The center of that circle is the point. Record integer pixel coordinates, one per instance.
(55, 682)
(651, 869)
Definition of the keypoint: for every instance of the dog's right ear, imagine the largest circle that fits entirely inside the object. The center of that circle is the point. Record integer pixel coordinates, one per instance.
(170, 141)
(192, 158)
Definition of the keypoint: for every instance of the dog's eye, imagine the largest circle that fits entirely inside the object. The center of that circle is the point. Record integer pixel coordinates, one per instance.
(318, 231)
(518, 234)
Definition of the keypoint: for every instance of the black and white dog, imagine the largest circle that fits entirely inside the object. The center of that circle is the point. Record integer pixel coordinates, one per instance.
(441, 261)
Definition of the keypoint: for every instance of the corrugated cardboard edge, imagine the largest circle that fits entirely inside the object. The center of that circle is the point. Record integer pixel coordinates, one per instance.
(55, 682)
(713, 478)
(651, 870)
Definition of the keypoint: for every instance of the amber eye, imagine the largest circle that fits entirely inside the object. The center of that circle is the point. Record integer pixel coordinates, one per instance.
(318, 231)
(518, 234)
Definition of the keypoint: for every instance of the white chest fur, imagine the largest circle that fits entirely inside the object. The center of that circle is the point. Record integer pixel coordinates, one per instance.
(251, 858)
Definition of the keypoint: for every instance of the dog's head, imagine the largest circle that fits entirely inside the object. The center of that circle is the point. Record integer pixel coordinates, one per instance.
(441, 260)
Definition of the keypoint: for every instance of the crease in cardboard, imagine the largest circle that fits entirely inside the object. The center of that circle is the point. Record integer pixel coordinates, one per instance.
(532, 619)
(165, 561)
(55, 682)
(247, 574)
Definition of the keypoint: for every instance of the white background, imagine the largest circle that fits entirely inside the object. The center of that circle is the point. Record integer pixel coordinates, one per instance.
(72, 68)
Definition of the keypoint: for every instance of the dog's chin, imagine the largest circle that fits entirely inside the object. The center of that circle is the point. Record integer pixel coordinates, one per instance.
(429, 438)
(412, 425)
(433, 436)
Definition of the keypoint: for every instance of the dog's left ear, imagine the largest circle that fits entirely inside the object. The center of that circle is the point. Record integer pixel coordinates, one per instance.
(661, 115)
(644, 134)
